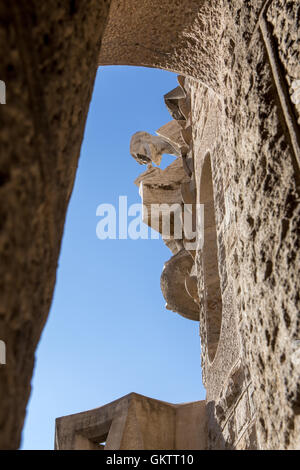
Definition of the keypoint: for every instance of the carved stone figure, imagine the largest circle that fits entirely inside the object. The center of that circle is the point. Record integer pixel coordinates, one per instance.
(146, 148)
(175, 276)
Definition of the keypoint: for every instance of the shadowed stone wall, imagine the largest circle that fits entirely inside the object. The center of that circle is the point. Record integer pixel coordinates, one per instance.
(177, 35)
(48, 62)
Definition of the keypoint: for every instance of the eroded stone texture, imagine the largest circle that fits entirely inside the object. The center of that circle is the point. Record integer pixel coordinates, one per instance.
(181, 36)
(267, 213)
(259, 231)
(49, 52)
(283, 18)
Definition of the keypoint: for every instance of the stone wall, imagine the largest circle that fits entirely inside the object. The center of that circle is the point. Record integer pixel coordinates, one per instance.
(180, 36)
(231, 419)
(254, 152)
(48, 62)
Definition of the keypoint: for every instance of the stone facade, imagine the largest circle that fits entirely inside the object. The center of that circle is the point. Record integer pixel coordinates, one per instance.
(236, 127)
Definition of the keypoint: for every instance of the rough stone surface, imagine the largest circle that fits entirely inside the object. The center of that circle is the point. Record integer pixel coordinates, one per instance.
(48, 64)
(181, 36)
(258, 233)
(283, 18)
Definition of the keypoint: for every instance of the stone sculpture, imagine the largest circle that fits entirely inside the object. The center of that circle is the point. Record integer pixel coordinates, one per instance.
(146, 148)
(174, 279)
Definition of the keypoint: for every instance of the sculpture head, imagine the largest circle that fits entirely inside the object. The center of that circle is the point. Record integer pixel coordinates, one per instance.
(146, 148)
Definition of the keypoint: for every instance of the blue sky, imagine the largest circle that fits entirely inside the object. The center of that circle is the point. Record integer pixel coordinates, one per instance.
(108, 332)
